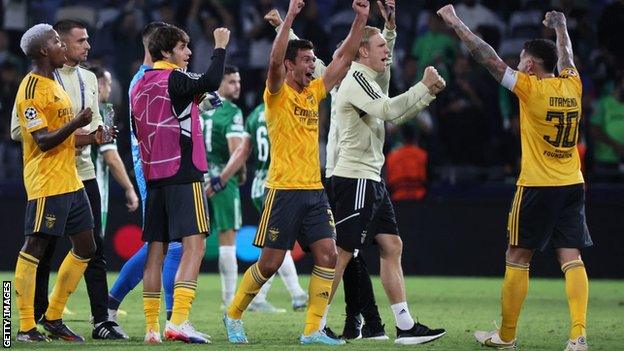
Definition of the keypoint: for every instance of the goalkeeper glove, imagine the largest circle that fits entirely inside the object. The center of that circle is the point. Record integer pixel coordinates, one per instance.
(210, 102)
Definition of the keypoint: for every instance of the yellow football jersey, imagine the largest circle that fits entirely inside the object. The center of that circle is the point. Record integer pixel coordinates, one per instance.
(293, 124)
(41, 103)
(550, 112)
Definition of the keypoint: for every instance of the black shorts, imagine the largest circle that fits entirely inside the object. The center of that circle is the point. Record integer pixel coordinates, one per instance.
(56, 215)
(289, 215)
(543, 215)
(175, 211)
(363, 209)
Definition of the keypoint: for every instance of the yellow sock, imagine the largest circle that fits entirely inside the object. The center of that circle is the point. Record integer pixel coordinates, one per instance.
(577, 290)
(247, 290)
(151, 308)
(515, 287)
(69, 274)
(183, 296)
(319, 290)
(25, 273)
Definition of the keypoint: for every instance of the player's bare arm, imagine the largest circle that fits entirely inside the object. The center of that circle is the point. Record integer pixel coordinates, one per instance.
(346, 53)
(557, 21)
(481, 51)
(47, 140)
(240, 149)
(277, 70)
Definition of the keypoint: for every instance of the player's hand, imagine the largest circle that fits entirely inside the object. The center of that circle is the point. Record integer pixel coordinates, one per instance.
(273, 17)
(448, 14)
(105, 134)
(132, 200)
(222, 37)
(438, 86)
(295, 7)
(554, 19)
(214, 185)
(361, 7)
(387, 12)
(84, 117)
(432, 80)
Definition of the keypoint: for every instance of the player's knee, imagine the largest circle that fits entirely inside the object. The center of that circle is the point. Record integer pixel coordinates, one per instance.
(195, 248)
(34, 246)
(392, 247)
(269, 267)
(85, 252)
(327, 259)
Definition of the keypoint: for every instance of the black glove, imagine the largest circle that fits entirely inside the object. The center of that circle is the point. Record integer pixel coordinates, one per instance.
(215, 184)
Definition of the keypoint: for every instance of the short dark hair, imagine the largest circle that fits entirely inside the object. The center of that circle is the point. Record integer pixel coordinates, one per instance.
(295, 45)
(545, 50)
(64, 26)
(97, 70)
(229, 69)
(150, 28)
(165, 39)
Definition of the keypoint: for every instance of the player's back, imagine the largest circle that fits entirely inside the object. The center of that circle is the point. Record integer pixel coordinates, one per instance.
(42, 103)
(550, 112)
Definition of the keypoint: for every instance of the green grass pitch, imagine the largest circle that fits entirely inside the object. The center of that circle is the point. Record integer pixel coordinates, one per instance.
(461, 305)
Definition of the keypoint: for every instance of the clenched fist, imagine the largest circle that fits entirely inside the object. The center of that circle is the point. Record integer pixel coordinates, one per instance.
(222, 37)
(295, 7)
(273, 17)
(433, 81)
(554, 19)
(361, 7)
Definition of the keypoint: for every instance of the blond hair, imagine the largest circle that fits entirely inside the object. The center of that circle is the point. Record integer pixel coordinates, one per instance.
(369, 32)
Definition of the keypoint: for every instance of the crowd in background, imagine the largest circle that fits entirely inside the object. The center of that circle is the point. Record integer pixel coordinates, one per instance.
(470, 133)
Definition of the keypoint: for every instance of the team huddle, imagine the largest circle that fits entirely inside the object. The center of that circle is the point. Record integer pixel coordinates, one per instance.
(190, 144)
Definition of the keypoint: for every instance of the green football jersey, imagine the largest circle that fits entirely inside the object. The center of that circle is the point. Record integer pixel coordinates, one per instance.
(217, 126)
(256, 127)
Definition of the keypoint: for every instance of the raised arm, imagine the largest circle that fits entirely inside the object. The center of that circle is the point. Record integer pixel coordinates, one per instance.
(557, 21)
(481, 51)
(364, 96)
(347, 51)
(389, 33)
(184, 84)
(274, 18)
(277, 70)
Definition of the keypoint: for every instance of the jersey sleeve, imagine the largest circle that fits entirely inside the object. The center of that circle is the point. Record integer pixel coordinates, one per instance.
(31, 112)
(236, 128)
(368, 98)
(273, 98)
(318, 87)
(96, 117)
(518, 82)
(572, 74)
